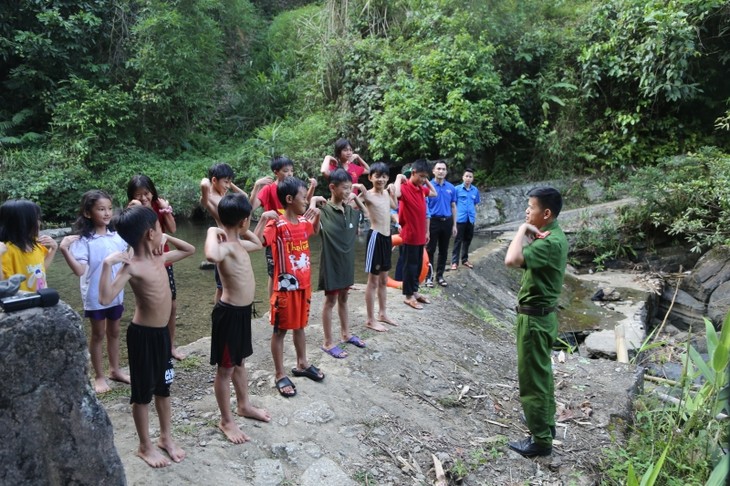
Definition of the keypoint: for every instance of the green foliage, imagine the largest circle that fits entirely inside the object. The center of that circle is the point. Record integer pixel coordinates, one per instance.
(602, 240)
(687, 196)
(688, 434)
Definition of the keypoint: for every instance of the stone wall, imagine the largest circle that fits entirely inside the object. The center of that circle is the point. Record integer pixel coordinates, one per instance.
(54, 431)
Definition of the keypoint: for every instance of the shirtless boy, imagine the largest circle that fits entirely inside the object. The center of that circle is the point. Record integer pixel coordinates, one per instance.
(379, 201)
(231, 336)
(212, 189)
(148, 340)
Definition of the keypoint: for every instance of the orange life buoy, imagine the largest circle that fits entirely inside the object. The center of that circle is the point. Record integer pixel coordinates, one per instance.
(397, 241)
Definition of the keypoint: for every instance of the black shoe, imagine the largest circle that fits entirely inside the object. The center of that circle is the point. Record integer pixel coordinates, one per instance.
(528, 448)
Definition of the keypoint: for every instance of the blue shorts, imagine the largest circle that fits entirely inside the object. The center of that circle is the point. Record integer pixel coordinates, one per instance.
(112, 313)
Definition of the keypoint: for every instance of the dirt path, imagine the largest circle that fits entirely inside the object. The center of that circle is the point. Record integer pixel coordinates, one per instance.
(441, 384)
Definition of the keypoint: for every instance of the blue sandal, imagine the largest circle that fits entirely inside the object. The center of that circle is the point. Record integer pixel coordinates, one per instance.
(356, 341)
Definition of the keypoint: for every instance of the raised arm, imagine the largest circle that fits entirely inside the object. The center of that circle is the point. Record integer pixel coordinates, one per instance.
(250, 241)
(213, 250)
(311, 188)
(77, 267)
(399, 180)
(312, 214)
(360, 161)
(168, 220)
(325, 169)
(391, 194)
(183, 249)
(109, 289)
(263, 221)
(432, 190)
(523, 237)
(258, 185)
(52, 246)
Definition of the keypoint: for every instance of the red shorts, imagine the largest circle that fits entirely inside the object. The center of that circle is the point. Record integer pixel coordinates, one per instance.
(290, 308)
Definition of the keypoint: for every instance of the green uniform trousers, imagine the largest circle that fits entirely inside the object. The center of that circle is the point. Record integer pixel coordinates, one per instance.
(535, 337)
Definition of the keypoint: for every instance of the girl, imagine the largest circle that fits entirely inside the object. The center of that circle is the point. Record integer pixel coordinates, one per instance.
(347, 159)
(84, 252)
(22, 250)
(141, 190)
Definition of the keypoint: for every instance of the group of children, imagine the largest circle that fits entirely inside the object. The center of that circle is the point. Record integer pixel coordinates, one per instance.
(138, 252)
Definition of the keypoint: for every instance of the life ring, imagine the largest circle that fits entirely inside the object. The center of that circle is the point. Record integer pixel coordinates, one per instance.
(397, 240)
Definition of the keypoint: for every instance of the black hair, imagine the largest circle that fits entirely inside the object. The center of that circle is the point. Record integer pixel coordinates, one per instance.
(420, 165)
(338, 176)
(278, 163)
(83, 225)
(233, 208)
(220, 171)
(141, 181)
(341, 145)
(288, 187)
(380, 168)
(132, 224)
(20, 223)
(549, 198)
(469, 169)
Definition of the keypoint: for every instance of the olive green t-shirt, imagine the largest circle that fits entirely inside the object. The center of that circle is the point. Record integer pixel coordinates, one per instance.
(338, 230)
(545, 261)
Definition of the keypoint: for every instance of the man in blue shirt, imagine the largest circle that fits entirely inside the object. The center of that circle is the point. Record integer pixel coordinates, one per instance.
(467, 197)
(442, 224)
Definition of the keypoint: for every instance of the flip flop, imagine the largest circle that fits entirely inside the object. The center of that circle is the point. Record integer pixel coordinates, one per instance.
(423, 300)
(356, 341)
(283, 383)
(468, 265)
(312, 373)
(415, 305)
(443, 283)
(335, 352)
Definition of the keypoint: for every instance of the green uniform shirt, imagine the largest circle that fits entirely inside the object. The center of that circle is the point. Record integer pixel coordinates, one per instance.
(338, 229)
(545, 261)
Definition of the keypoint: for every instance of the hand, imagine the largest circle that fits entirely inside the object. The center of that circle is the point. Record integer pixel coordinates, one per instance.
(428, 236)
(220, 234)
(119, 257)
(67, 241)
(269, 215)
(311, 213)
(264, 181)
(160, 249)
(312, 183)
(359, 187)
(390, 189)
(402, 177)
(134, 202)
(48, 242)
(162, 203)
(453, 232)
(205, 182)
(316, 200)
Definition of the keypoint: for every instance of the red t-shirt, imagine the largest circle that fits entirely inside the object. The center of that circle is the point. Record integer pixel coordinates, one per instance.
(355, 171)
(412, 213)
(269, 198)
(290, 249)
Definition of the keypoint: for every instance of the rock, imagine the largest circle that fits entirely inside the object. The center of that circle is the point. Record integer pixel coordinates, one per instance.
(719, 304)
(687, 312)
(325, 471)
(60, 432)
(268, 472)
(712, 270)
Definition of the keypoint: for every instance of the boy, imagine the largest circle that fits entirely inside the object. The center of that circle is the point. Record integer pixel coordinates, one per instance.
(148, 340)
(231, 336)
(414, 229)
(337, 265)
(212, 189)
(541, 249)
(379, 201)
(467, 197)
(264, 194)
(288, 234)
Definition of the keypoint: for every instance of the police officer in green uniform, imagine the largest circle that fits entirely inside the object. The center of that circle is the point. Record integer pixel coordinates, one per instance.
(541, 249)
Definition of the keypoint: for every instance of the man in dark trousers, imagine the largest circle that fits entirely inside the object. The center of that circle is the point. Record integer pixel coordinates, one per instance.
(442, 209)
(541, 249)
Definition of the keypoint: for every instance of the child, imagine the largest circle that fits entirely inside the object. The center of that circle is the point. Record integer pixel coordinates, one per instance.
(212, 189)
(337, 265)
(346, 159)
(379, 201)
(141, 190)
(148, 340)
(231, 336)
(84, 252)
(467, 197)
(264, 194)
(414, 228)
(22, 250)
(287, 234)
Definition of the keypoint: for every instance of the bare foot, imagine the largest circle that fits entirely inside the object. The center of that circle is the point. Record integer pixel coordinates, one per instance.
(153, 457)
(101, 386)
(254, 413)
(233, 433)
(376, 326)
(119, 376)
(177, 354)
(387, 320)
(172, 449)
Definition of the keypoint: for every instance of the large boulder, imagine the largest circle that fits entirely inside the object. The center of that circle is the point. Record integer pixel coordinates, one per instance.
(712, 270)
(687, 312)
(54, 429)
(719, 304)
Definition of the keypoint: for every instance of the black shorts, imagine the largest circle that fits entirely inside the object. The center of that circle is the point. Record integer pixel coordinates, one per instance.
(171, 278)
(378, 252)
(230, 341)
(269, 262)
(150, 362)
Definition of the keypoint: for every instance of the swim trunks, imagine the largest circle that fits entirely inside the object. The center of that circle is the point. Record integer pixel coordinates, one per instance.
(150, 362)
(290, 309)
(230, 340)
(171, 278)
(113, 313)
(378, 252)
